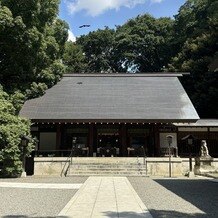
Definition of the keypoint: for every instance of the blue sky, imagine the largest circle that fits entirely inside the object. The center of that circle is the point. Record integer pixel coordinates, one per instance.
(101, 13)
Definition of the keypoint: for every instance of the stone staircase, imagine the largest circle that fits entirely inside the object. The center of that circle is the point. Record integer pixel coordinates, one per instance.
(107, 166)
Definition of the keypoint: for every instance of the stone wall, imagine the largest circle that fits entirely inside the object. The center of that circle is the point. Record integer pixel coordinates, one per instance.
(155, 166)
(49, 165)
(160, 167)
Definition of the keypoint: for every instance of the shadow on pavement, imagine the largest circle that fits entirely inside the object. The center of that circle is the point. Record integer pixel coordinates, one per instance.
(175, 214)
(201, 193)
(155, 214)
(124, 214)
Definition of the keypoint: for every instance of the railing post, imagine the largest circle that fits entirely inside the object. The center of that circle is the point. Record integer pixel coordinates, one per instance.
(170, 173)
(69, 161)
(145, 162)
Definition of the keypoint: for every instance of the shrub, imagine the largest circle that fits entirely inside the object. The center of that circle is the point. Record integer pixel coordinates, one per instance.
(12, 128)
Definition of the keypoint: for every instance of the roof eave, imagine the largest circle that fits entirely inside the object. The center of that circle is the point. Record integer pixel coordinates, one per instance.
(114, 120)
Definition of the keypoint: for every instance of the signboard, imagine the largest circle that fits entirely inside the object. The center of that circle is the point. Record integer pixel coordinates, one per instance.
(167, 129)
(111, 130)
(77, 130)
(138, 131)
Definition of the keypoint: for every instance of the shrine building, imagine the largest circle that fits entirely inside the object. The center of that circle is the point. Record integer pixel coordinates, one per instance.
(116, 115)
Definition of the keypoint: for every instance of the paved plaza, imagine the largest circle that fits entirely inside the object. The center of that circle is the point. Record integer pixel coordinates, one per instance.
(132, 197)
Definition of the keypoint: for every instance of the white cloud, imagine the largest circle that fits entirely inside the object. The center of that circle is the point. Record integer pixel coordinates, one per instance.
(156, 1)
(97, 7)
(71, 36)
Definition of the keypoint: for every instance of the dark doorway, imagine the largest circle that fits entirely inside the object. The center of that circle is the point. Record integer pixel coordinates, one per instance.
(108, 145)
(137, 146)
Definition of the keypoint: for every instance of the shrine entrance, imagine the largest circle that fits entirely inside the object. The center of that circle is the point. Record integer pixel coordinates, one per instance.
(108, 142)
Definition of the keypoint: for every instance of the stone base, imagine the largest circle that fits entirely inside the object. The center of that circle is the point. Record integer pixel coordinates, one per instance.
(204, 170)
(204, 165)
(191, 174)
(204, 161)
(23, 174)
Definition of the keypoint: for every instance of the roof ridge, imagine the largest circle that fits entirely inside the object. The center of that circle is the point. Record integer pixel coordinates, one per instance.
(150, 74)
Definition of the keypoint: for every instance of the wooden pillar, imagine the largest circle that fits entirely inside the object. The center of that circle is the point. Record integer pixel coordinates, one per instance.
(123, 136)
(58, 137)
(156, 152)
(91, 139)
(208, 139)
(177, 140)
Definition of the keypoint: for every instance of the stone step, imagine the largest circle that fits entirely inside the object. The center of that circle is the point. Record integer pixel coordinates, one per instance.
(89, 173)
(113, 170)
(107, 164)
(106, 167)
(136, 171)
(114, 175)
(107, 160)
(107, 171)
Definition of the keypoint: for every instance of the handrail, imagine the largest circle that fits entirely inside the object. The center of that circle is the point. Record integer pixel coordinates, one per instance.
(69, 163)
(145, 161)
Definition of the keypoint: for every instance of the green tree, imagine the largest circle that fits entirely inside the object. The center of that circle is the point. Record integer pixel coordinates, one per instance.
(144, 44)
(196, 39)
(32, 41)
(98, 49)
(12, 129)
(74, 58)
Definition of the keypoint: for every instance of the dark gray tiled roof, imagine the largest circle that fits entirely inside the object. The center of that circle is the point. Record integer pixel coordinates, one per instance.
(200, 123)
(126, 98)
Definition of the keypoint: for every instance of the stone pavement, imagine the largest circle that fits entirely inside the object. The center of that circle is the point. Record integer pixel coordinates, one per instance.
(109, 197)
(178, 197)
(106, 197)
(39, 185)
(36, 202)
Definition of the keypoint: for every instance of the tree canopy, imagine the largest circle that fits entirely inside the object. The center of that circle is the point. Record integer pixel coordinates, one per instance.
(32, 41)
(98, 48)
(144, 44)
(196, 33)
(74, 58)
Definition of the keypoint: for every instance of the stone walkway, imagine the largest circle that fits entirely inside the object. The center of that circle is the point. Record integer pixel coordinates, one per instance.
(106, 197)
